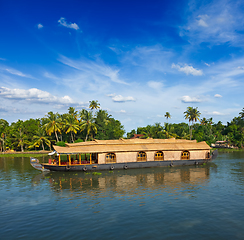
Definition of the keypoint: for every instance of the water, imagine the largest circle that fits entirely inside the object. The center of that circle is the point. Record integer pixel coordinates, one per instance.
(199, 202)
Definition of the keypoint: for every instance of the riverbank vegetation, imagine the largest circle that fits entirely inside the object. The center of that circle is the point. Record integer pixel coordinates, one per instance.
(85, 125)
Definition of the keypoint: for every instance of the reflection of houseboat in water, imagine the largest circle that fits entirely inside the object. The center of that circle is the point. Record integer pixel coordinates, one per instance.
(127, 154)
(130, 182)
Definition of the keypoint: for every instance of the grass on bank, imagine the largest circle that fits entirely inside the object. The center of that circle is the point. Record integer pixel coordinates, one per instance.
(26, 154)
(228, 150)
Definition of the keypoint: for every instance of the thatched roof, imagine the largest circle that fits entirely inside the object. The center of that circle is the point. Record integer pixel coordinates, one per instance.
(132, 145)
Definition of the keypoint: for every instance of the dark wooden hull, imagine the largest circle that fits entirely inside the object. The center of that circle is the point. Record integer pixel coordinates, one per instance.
(120, 166)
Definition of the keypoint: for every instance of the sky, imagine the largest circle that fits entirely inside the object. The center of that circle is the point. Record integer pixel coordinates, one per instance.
(138, 59)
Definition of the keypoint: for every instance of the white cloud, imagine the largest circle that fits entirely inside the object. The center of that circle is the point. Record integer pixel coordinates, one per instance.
(39, 26)
(63, 22)
(207, 64)
(187, 69)
(217, 96)
(122, 111)
(216, 113)
(188, 99)
(119, 98)
(34, 95)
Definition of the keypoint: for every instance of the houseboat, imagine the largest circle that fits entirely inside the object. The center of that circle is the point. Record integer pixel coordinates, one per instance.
(99, 155)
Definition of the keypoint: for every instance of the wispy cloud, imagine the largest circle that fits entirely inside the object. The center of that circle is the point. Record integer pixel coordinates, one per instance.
(216, 113)
(219, 21)
(155, 85)
(39, 26)
(202, 20)
(63, 22)
(217, 96)
(187, 69)
(119, 98)
(14, 72)
(94, 70)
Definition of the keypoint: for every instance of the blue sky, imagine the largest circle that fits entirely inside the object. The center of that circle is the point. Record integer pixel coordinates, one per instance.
(139, 59)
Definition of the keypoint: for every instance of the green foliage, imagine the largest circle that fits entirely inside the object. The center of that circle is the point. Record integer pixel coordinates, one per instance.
(61, 144)
(74, 126)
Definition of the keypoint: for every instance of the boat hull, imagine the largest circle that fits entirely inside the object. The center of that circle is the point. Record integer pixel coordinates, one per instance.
(125, 166)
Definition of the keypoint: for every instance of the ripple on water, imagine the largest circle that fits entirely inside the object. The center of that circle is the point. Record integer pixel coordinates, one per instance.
(202, 202)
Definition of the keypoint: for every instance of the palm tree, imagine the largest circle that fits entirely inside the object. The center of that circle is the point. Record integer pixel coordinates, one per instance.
(210, 121)
(73, 112)
(21, 138)
(192, 114)
(87, 122)
(168, 131)
(53, 125)
(94, 104)
(203, 121)
(242, 114)
(3, 126)
(71, 125)
(167, 115)
(40, 139)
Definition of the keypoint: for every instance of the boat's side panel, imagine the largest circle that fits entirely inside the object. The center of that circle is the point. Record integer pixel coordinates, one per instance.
(123, 157)
(119, 166)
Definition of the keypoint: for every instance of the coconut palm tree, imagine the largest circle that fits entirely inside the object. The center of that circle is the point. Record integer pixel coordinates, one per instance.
(203, 121)
(71, 125)
(73, 112)
(94, 104)
(21, 138)
(210, 121)
(53, 125)
(3, 127)
(40, 139)
(167, 115)
(192, 114)
(87, 123)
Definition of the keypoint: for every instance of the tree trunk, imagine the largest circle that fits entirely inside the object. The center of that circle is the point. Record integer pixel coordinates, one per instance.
(42, 146)
(21, 145)
(72, 139)
(56, 136)
(190, 129)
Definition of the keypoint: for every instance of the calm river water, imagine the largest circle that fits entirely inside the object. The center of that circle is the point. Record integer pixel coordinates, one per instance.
(200, 202)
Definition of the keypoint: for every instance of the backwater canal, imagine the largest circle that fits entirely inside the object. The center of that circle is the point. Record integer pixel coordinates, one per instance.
(198, 202)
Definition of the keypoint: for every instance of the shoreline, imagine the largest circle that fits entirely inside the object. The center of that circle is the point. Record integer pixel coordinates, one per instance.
(24, 154)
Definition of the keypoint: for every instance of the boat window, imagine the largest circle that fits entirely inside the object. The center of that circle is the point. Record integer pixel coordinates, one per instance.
(110, 158)
(159, 156)
(185, 155)
(142, 157)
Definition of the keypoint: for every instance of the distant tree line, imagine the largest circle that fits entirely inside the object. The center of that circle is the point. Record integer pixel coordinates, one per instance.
(86, 125)
(205, 130)
(55, 128)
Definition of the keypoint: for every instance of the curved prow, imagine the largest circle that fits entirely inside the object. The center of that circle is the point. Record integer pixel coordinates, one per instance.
(35, 164)
(214, 154)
